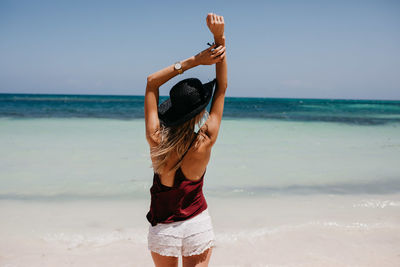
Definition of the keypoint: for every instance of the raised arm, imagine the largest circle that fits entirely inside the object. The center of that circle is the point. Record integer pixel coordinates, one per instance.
(208, 56)
(154, 81)
(216, 25)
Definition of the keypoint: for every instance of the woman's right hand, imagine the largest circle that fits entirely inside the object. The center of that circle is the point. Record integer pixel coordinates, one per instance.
(216, 24)
(211, 55)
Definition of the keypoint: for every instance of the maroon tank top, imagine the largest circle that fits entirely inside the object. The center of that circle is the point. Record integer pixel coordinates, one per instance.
(182, 201)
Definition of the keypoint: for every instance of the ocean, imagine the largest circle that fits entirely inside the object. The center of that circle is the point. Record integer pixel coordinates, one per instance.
(291, 182)
(359, 112)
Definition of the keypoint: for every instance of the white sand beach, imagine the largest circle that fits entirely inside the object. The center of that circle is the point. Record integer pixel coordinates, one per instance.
(321, 230)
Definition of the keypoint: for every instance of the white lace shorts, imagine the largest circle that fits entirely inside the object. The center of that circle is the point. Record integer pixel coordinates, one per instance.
(184, 238)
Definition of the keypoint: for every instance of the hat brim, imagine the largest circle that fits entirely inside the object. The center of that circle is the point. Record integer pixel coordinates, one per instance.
(169, 117)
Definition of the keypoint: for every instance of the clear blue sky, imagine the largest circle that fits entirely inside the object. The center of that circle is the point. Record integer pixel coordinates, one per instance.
(310, 49)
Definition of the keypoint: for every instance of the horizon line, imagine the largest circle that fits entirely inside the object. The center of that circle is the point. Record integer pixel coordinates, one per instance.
(126, 95)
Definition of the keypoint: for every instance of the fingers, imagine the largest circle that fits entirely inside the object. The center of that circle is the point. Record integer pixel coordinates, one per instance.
(218, 18)
(220, 58)
(218, 51)
(208, 18)
(213, 54)
(210, 49)
(213, 18)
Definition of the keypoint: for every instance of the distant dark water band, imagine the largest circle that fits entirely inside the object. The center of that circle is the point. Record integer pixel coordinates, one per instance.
(360, 112)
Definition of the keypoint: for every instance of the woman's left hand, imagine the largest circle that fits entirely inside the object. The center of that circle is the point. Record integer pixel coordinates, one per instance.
(211, 55)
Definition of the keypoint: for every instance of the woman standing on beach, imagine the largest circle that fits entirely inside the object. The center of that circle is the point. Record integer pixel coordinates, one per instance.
(180, 224)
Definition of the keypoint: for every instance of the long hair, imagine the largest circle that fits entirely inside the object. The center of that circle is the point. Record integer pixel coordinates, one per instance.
(174, 140)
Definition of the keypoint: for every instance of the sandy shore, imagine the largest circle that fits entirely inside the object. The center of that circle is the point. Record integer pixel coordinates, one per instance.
(318, 230)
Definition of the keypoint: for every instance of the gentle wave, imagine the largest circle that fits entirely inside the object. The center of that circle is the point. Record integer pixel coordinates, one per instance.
(249, 235)
(376, 203)
(139, 236)
(74, 240)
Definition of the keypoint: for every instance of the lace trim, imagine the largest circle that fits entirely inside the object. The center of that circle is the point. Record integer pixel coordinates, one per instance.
(186, 238)
(175, 251)
(164, 240)
(166, 251)
(200, 249)
(199, 238)
(192, 240)
(173, 246)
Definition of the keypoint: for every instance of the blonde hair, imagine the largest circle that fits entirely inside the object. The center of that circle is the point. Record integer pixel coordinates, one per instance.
(174, 140)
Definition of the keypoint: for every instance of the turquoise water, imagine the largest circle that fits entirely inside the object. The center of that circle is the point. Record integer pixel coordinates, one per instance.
(93, 147)
(361, 112)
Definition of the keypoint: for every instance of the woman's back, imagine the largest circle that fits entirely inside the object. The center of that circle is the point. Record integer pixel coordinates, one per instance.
(193, 163)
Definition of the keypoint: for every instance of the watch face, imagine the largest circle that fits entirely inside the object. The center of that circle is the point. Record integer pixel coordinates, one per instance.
(178, 66)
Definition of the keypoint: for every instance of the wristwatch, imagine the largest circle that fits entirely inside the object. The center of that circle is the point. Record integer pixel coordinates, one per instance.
(178, 67)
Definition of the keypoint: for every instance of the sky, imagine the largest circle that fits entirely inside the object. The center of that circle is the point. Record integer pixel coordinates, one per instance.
(286, 49)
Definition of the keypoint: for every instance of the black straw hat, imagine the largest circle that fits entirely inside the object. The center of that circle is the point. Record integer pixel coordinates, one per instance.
(186, 99)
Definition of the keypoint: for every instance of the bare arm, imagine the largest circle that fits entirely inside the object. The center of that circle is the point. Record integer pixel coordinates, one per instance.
(155, 80)
(216, 24)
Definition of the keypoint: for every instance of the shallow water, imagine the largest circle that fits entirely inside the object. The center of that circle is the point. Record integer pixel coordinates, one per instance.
(48, 159)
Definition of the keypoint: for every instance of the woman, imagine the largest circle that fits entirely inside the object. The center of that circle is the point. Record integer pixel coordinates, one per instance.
(179, 221)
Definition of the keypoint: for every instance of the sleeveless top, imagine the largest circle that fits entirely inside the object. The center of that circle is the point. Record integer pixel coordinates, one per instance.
(179, 202)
